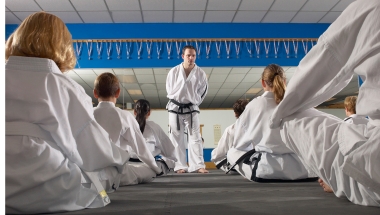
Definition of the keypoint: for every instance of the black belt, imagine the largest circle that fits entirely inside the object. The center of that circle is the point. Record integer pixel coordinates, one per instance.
(221, 163)
(134, 160)
(245, 158)
(180, 111)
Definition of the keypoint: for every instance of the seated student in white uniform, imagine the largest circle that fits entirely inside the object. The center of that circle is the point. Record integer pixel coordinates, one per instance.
(352, 118)
(218, 155)
(350, 109)
(258, 152)
(158, 142)
(123, 130)
(57, 156)
(345, 156)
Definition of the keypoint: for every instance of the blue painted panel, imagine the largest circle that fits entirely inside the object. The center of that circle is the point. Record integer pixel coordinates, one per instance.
(206, 154)
(190, 31)
(360, 81)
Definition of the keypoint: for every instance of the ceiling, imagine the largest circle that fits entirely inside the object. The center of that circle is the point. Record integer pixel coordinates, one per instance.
(180, 11)
(226, 84)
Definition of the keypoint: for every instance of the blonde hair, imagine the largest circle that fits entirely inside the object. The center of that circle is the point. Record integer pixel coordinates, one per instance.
(350, 104)
(43, 35)
(274, 77)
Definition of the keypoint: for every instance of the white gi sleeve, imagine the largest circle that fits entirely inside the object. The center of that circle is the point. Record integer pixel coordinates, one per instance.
(202, 91)
(96, 149)
(169, 80)
(246, 128)
(92, 141)
(323, 72)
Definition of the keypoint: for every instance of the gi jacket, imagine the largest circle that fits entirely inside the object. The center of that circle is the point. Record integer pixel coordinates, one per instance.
(192, 89)
(124, 132)
(45, 176)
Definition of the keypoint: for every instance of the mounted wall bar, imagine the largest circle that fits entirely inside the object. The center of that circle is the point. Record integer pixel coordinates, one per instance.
(125, 51)
(235, 43)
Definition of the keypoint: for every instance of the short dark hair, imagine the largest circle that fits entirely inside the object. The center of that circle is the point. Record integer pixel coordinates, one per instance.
(239, 106)
(106, 85)
(187, 47)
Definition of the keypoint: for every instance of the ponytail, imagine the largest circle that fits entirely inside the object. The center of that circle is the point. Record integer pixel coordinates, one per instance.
(278, 88)
(142, 108)
(274, 77)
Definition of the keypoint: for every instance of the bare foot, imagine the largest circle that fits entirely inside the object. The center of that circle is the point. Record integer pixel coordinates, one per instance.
(181, 171)
(325, 187)
(202, 170)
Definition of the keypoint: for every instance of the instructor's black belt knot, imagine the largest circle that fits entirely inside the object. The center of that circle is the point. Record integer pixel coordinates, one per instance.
(180, 111)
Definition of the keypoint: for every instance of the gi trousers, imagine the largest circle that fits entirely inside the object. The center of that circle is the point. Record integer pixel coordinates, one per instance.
(313, 136)
(195, 146)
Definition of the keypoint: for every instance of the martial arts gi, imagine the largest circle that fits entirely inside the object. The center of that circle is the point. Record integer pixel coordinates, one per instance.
(57, 156)
(125, 132)
(345, 156)
(186, 94)
(160, 145)
(272, 160)
(356, 119)
(219, 154)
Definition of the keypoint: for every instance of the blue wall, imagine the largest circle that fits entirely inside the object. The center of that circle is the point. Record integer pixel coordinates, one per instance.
(189, 31)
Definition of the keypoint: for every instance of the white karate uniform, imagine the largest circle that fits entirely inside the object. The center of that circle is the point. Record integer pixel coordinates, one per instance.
(225, 143)
(160, 144)
(252, 131)
(344, 155)
(356, 119)
(52, 138)
(192, 89)
(125, 132)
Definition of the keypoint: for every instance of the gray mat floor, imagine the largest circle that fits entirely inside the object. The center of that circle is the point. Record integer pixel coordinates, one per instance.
(217, 193)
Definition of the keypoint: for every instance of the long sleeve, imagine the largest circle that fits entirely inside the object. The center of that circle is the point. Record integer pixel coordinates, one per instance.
(93, 144)
(243, 139)
(330, 65)
(95, 147)
(203, 89)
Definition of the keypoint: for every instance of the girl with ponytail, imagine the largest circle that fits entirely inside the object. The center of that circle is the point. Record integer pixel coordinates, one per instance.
(142, 112)
(156, 139)
(258, 152)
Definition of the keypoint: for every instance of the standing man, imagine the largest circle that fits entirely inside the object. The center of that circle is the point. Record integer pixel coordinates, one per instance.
(186, 86)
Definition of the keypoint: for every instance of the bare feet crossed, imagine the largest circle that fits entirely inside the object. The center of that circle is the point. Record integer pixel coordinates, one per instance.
(181, 171)
(326, 187)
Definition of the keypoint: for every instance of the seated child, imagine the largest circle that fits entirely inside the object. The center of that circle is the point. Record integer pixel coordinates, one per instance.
(258, 152)
(219, 154)
(123, 130)
(350, 108)
(156, 139)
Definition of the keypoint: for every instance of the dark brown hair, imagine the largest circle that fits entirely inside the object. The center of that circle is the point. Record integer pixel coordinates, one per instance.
(43, 35)
(187, 47)
(239, 106)
(142, 108)
(274, 77)
(106, 85)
